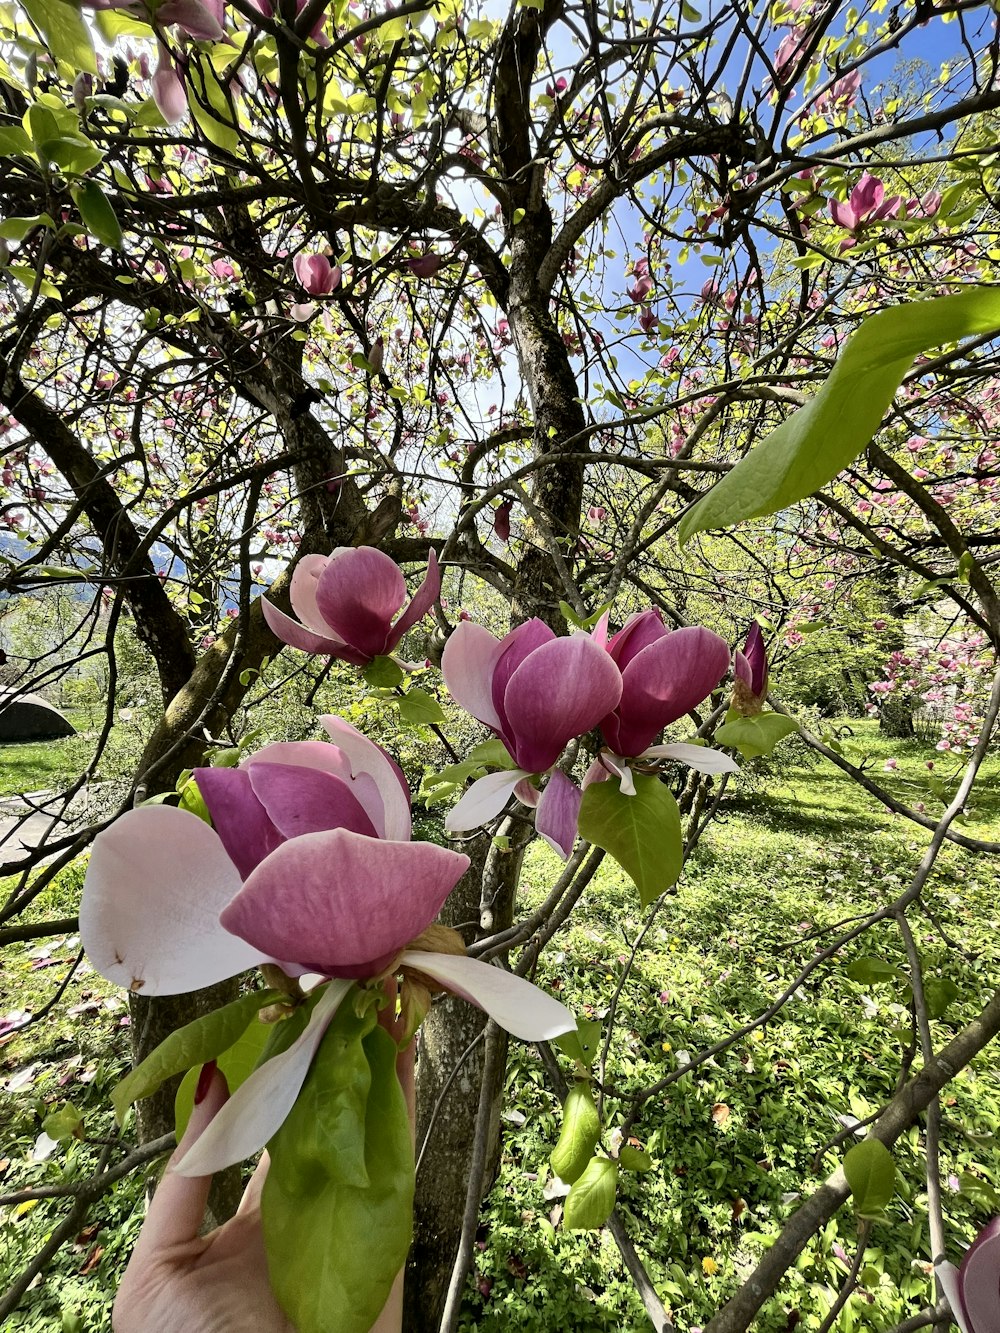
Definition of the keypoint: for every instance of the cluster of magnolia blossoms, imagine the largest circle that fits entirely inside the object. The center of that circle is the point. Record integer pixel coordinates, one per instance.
(307, 866)
(538, 692)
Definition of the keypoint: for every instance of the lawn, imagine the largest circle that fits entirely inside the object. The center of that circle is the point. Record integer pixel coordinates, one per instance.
(797, 849)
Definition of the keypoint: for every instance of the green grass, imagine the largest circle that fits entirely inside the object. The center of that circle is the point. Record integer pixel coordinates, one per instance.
(797, 849)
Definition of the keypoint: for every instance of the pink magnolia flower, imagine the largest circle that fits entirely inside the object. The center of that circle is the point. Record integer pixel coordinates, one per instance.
(648, 320)
(425, 266)
(200, 19)
(665, 673)
(750, 670)
(168, 88)
(346, 604)
(501, 520)
(973, 1289)
(308, 866)
(866, 203)
(315, 273)
(537, 692)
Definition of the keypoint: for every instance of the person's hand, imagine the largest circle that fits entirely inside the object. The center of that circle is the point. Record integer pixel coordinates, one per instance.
(180, 1282)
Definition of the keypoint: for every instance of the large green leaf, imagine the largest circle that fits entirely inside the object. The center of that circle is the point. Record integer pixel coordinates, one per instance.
(590, 1201)
(334, 1247)
(871, 1174)
(197, 1042)
(66, 34)
(98, 216)
(757, 735)
(581, 1128)
(828, 432)
(642, 832)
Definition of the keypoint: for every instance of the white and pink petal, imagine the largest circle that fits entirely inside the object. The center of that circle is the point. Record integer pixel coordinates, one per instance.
(484, 800)
(558, 813)
(519, 1007)
(156, 884)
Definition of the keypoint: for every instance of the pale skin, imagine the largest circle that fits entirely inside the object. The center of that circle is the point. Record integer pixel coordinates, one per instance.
(180, 1282)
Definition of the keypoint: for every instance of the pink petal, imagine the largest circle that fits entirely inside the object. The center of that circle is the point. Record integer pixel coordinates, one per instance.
(467, 664)
(195, 18)
(638, 632)
(742, 669)
(342, 904)
(516, 646)
(600, 631)
(558, 813)
(358, 594)
(331, 759)
(698, 757)
(302, 593)
(483, 801)
(518, 1006)
(947, 1275)
(420, 603)
(301, 800)
(595, 773)
(157, 880)
(238, 817)
(259, 1106)
(662, 683)
(561, 690)
(368, 760)
(291, 632)
(867, 195)
(168, 89)
(979, 1280)
(843, 215)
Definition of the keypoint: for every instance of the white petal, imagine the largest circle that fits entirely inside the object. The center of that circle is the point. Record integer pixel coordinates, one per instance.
(620, 766)
(484, 799)
(258, 1107)
(698, 757)
(517, 1005)
(149, 919)
(947, 1275)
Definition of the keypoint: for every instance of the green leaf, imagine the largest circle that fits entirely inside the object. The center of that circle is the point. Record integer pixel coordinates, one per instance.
(211, 110)
(97, 214)
(238, 1063)
(66, 34)
(15, 229)
(63, 1124)
(333, 1247)
(828, 432)
(383, 673)
(27, 277)
(490, 754)
(14, 142)
(582, 1044)
(871, 1174)
(418, 707)
(642, 832)
(634, 1159)
(873, 972)
(204, 1039)
(71, 153)
(755, 736)
(590, 1201)
(192, 800)
(939, 993)
(979, 1191)
(581, 1128)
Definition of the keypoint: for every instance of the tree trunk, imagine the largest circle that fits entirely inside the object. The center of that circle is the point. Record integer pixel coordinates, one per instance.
(449, 1078)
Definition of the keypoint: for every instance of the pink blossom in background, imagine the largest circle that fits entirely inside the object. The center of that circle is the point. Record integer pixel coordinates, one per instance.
(315, 273)
(346, 604)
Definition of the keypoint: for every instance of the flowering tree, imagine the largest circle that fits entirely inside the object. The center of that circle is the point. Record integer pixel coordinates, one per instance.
(294, 301)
